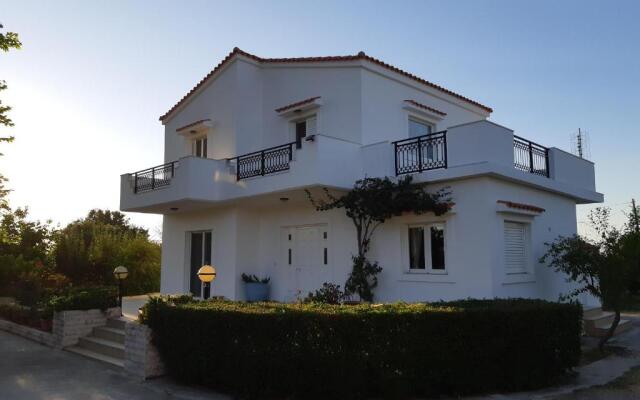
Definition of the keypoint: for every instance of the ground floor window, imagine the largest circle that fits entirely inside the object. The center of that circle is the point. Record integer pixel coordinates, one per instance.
(427, 248)
(200, 254)
(515, 247)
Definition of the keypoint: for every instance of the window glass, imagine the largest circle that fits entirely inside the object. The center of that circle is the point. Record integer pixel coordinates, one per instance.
(417, 128)
(437, 247)
(416, 248)
(200, 147)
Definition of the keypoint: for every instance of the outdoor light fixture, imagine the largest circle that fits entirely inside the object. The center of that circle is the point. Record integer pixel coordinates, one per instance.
(120, 273)
(206, 274)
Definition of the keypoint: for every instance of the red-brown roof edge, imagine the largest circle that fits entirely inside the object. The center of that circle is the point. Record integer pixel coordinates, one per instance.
(423, 106)
(521, 206)
(192, 124)
(360, 56)
(296, 104)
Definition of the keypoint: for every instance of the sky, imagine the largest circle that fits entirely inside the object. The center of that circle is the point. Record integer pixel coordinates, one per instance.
(93, 77)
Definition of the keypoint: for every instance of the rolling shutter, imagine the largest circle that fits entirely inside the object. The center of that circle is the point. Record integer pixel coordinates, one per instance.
(515, 247)
(312, 126)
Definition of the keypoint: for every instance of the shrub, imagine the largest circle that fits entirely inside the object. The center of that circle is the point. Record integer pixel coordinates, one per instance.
(39, 319)
(254, 279)
(395, 350)
(329, 293)
(87, 250)
(84, 299)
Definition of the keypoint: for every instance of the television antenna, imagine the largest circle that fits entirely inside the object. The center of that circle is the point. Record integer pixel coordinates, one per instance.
(580, 144)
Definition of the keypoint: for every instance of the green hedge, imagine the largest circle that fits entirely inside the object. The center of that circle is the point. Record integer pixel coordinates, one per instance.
(397, 350)
(84, 299)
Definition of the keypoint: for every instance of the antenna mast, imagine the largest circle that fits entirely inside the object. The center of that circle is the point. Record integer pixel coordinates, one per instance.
(579, 143)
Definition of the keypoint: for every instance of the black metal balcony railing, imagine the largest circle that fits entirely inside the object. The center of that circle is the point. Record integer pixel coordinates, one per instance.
(421, 153)
(530, 157)
(153, 178)
(263, 162)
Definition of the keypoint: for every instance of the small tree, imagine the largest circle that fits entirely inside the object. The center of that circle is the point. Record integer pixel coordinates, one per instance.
(369, 204)
(602, 267)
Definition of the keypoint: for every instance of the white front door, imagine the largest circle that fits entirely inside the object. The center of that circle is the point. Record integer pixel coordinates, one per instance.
(307, 258)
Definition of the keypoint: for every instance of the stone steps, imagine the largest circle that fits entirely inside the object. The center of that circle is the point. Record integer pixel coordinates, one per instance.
(105, 343)
(107, 333)
(96, 356)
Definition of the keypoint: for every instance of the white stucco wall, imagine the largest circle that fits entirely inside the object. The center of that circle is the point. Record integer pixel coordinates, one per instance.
(249, 238)
(361, 104)
(385, 118)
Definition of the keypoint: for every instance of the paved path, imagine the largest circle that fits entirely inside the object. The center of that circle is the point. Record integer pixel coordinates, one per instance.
(30, 371)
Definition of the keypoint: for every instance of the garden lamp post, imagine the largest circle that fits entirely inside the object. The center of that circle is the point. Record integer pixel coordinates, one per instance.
(206, 274)
(120, 273)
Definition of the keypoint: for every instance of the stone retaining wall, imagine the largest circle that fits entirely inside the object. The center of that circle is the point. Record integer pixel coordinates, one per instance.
(68, 327)
(36, 335)
(141, 356)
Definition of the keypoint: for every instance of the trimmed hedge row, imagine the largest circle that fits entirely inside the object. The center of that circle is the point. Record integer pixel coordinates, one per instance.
(100, 297)
(396, 350)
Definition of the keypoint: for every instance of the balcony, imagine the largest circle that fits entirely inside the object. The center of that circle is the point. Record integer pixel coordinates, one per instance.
(154, 178)
(476, 149)
(530, 157)
(191, 182)
(264, 162)
(421, 153)
(485, 148)
(428, 152)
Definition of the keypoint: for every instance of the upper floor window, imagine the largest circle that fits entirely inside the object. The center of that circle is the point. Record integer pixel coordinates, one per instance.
(305, 127)
(199, 147)
(419, 128)
(426, 248)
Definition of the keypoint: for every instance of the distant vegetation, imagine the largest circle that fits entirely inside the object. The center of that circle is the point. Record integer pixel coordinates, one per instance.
(39, 260)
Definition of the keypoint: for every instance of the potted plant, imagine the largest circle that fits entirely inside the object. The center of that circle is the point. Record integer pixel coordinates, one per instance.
(256, 289)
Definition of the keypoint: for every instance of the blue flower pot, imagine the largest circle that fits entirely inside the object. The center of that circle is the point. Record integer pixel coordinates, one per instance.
(256, 291)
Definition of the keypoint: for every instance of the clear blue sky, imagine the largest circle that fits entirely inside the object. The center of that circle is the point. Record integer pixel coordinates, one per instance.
(93, 77)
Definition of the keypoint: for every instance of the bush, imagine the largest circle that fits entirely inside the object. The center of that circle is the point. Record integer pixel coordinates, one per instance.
(329, 293)
(87, 250)
(84, 299)
(396, 350)
(39, 319)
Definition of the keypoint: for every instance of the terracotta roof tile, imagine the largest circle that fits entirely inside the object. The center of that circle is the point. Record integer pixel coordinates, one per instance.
(521, 206)
(433, 110)
(360, 56)
(296, 104)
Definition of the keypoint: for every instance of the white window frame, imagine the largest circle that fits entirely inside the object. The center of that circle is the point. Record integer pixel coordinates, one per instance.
(194, 147)
(428, 266)
(300, 118)
(419, 120)
(528, 264)
(187, 256)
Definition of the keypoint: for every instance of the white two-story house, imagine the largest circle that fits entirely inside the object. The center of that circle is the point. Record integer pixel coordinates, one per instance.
(243, 145)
